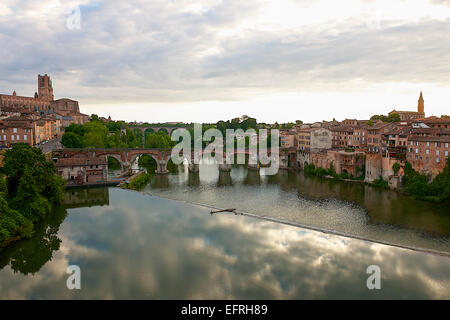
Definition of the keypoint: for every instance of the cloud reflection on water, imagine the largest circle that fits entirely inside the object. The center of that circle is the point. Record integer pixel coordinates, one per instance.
(145, 247)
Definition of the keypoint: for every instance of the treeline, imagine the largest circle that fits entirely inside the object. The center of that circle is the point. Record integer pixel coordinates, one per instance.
(390, 118)
(417, 184)
(99, 134)
(29, 188)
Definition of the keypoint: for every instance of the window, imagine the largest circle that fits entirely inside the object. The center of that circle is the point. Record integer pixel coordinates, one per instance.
(428, 151)
(417, 150)
(18, 137)
(437, 160)
(4, 137)
(437, 152)
(428, 143)
(446, 153)
(14, 130)
(446, 144)
(12, 137)
(25, 137)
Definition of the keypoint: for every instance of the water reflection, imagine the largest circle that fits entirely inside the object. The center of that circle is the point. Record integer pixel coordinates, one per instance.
(30, 255)
(146, 247)
(85, 197)
(193, 179)
(252, 178)
(224, 179)
(350, 208)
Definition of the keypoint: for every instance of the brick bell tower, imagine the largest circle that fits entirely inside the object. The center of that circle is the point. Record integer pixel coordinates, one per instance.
(45, 88)
(421, 104)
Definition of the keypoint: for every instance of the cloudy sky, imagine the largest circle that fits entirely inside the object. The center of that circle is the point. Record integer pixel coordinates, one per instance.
(189, 60)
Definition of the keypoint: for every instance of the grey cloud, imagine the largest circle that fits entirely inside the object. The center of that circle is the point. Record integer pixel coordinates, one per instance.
(153, 54)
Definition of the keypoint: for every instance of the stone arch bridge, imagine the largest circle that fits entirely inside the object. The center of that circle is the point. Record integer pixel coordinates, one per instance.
(125, 156)
(143, 129)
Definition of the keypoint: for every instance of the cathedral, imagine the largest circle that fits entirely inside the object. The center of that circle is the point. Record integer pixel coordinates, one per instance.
(410, 115)
(43, 101)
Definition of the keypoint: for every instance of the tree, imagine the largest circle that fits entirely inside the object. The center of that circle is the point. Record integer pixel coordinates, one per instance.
(395, 168)
(158, 140)
(28, 193)
(71, 140)
(32, 182)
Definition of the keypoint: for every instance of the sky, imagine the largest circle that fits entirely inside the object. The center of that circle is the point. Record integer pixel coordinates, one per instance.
(210, 60)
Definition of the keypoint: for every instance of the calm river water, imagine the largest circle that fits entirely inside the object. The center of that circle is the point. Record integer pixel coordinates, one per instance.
(144, 245)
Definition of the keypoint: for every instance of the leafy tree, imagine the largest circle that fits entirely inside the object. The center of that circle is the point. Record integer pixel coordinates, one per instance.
(33, 185)
(29, 191)
(395, 168)
(75, 128)
(158, 140)
(71, 140)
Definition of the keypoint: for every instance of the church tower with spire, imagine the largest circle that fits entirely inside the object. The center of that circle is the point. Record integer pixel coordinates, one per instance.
(421, 105)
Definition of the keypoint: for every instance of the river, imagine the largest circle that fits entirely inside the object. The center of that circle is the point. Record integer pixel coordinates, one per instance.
(162, 242)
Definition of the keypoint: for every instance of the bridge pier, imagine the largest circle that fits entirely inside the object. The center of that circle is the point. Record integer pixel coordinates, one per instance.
(161, 167)
(126, 167)
(284, 161)
(193, 168)
(224, 167)
(224, 179)
(253, 167)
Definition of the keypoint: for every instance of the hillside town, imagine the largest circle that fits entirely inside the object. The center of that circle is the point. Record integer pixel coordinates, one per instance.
(357, 148)
(376, 145)
(36, 119)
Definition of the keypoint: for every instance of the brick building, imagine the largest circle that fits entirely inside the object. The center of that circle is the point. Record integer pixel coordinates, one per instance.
(314, 138)
(82, 170)
(17, 131)
(428, 154)
(42, 102)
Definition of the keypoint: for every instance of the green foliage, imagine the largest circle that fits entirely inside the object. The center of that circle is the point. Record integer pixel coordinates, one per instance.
(172, 167)
(12, 223)
(396, 168)
(113, 163)
(29, 191)
(390, 118)
(243, 123)
(158, 140)
(71, 140)
(380, 183)
(99, 134)
(417, 184)
(147, 162)
(321, 172)
(139, 182)
(76, 128)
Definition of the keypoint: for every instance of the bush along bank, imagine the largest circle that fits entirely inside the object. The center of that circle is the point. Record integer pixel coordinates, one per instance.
(29, 189)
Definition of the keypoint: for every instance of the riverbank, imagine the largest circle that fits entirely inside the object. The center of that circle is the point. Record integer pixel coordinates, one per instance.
(136, 181)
